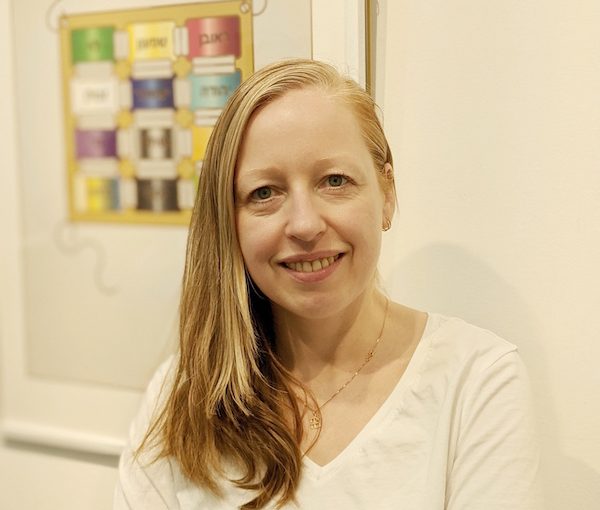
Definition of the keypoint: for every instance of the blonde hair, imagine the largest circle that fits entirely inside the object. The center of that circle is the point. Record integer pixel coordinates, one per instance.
(231, 398)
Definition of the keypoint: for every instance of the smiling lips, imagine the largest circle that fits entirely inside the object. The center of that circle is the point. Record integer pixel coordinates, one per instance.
(313, 265)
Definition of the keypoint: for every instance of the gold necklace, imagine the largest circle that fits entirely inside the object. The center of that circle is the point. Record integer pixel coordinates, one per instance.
(316, 421)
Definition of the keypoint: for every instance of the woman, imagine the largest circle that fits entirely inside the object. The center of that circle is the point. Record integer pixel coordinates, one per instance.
(298, 383)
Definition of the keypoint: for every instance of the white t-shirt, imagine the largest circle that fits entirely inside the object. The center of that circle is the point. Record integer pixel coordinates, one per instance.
(456, 433)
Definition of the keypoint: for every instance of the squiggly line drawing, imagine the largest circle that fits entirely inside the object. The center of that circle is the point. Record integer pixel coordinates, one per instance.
(52, 18)
(68, 242)
(245, 7)
(260, 11)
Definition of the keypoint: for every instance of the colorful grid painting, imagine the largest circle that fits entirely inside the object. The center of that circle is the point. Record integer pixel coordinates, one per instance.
(143, 89)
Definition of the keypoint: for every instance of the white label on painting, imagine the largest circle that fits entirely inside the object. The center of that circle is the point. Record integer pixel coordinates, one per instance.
(185, 193)
(93, 97)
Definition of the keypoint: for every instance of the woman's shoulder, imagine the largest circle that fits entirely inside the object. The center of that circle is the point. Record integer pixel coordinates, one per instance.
(162, 379)
(456, 344)
(154, 398)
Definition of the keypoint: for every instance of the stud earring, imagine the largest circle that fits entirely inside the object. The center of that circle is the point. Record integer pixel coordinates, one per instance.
(387, 224)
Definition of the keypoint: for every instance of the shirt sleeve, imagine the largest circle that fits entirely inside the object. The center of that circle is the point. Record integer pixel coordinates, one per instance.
(145, 483)
(496, 463)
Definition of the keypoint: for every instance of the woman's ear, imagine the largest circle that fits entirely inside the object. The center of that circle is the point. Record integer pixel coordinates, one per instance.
(389, 194)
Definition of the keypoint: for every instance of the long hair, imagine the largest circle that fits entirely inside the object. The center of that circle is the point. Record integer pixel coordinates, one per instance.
(232, 400)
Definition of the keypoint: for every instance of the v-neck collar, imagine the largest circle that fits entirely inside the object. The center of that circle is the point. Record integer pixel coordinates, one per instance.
(320, 473)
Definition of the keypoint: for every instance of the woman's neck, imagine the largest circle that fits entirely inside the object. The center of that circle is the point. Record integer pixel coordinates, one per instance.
(309, 348)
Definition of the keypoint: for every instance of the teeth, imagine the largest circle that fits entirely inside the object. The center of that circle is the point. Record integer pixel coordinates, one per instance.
(309, 267)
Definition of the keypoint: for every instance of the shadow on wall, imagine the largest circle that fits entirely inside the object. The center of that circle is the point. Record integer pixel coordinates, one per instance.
(64, 453)
(448, 279)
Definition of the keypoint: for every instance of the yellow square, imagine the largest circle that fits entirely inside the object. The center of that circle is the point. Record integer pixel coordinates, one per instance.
(151, 41)
(200, 136)
(101, 194)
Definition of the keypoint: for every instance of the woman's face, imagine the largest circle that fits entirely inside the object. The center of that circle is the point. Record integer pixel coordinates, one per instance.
(309, 204)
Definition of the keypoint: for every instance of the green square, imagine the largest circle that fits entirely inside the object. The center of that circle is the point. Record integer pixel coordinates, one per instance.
(92, 44)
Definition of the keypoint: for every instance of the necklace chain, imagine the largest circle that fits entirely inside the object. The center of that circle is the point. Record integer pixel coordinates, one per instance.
(316, 422)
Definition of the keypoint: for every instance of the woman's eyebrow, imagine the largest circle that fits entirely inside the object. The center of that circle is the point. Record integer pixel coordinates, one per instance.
(258, 172)
(247, 179)
(337, 160)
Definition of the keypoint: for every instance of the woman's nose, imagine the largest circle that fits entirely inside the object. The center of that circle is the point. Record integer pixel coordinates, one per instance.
(304, 219)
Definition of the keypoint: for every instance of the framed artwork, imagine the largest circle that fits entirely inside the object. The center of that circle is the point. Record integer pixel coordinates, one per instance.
(112, 108)
(142, 89)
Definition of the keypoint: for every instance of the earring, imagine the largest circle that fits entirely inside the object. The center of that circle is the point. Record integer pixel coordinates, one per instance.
(387, 224)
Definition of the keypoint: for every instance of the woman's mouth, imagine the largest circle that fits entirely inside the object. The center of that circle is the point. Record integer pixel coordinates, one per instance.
(313, 265)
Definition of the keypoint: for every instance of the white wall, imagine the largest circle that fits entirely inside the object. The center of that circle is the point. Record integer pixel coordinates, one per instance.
(38, 478)
(493, 111)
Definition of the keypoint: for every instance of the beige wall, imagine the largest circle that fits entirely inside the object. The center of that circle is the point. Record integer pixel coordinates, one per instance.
(37, 478)
(34, 478)
(493, 111)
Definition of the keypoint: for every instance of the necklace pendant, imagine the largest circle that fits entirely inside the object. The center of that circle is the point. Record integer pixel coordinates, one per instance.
(315, 422)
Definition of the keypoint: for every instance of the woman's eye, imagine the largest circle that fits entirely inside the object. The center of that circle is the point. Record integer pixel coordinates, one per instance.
(336, 180)
(262, 193)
